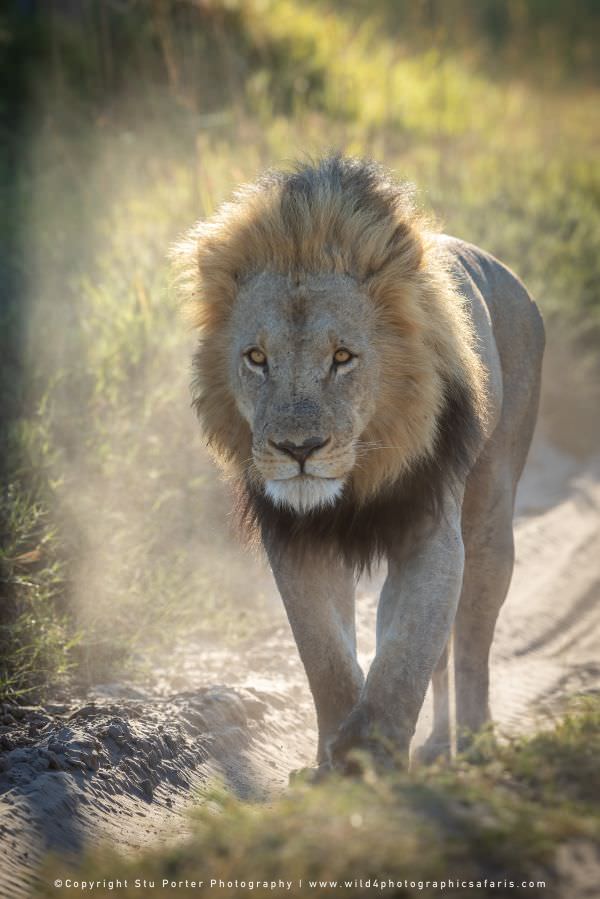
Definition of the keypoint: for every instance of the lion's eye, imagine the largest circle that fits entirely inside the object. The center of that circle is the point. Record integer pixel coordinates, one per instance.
(257, 357)
(342, 356)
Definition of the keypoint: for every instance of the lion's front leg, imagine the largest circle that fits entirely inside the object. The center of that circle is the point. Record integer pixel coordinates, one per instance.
(416, 611)
(318, 595)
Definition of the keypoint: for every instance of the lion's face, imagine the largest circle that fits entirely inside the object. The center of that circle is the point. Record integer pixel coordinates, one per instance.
(304, 373)
(333, 346)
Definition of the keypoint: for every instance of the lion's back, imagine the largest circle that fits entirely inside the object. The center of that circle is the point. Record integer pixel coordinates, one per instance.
(510, 304)
(517, 328)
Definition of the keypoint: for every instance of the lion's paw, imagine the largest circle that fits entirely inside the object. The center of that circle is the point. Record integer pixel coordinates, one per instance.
(309, 775)
(432, 750)
(359, 745)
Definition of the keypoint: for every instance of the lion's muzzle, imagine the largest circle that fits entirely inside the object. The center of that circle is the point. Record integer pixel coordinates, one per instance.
(300, 452)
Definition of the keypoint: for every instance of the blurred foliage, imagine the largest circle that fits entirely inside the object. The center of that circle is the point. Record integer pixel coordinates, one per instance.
(122, 122)
(544, 39)
(497, 815)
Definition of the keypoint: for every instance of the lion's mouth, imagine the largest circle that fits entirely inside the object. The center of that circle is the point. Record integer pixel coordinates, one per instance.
(305, 476)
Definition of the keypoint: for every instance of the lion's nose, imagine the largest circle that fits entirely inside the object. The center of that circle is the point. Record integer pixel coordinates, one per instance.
(300, 452)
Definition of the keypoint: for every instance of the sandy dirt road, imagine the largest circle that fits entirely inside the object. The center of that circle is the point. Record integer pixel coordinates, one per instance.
(126, 765)
(547, 642)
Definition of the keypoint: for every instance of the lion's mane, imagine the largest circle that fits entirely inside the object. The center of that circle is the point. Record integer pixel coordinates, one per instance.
(346, 216)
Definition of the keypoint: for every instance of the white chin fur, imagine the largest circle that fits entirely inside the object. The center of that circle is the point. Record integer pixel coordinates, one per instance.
(304, 493)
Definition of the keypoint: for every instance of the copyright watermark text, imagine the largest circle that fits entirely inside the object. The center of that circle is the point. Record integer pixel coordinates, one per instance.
(291, 886)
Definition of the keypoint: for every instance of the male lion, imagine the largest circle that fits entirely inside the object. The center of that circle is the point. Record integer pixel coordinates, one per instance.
(373, 388)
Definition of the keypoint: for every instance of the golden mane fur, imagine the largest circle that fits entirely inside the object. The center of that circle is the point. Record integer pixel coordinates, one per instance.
(345, 216)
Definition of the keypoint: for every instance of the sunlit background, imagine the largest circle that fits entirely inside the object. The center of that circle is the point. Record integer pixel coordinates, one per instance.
(123, 122)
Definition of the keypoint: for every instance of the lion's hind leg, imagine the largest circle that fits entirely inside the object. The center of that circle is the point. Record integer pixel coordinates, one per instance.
(487, 527)
(489, 561)
(487, 533)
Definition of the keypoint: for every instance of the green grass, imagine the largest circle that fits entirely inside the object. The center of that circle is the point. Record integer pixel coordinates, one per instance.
(122, 143)
(35, 626)
(500, 814)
